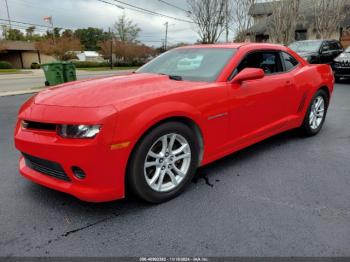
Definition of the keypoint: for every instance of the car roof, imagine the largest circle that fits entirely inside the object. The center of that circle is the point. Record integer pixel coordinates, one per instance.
(237, 45)
(318, 40)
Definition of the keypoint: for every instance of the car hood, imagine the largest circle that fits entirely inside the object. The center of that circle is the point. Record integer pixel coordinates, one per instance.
(343, 57)
(111, 90)
(306, 54)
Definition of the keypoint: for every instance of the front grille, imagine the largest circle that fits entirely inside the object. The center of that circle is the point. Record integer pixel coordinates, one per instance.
(38, 126)
(342, 71)
(45, 167)
(344, 64)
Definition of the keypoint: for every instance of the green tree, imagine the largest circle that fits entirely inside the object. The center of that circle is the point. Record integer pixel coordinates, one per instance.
(90, 37)
(125, 30)
(15, 35)
(57, 32)
(67, 33)
(29, 32)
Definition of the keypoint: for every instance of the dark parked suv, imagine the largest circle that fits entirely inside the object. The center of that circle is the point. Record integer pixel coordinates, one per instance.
(318, 51)
(341, 66)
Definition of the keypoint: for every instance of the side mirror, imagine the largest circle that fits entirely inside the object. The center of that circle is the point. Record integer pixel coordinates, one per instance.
(248, 74)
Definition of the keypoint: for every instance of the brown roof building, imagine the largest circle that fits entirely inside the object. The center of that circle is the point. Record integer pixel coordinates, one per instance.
(22, 54)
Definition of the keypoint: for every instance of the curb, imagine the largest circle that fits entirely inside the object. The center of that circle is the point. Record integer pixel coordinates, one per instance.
(20, 92)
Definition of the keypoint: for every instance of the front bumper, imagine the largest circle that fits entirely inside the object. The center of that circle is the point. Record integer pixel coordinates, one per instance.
(341, 71)
(103, 166)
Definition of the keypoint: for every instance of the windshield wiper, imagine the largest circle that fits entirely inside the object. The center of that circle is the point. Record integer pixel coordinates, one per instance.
(176, 78)
(172, 77)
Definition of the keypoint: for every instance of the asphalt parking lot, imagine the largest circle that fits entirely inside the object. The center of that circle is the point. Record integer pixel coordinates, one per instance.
(287, 196)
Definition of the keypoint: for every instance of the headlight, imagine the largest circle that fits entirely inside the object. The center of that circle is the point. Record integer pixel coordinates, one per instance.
(78, 131)
(337, 59)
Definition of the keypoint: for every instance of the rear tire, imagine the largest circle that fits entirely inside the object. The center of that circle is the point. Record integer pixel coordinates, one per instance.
(315, 114)
(163, 162)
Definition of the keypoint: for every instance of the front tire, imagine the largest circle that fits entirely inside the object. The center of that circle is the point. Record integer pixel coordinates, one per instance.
(163, 162)
(316, 114)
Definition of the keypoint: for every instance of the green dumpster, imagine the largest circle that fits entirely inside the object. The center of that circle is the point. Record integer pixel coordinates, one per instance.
(69, 73)
(53, 73)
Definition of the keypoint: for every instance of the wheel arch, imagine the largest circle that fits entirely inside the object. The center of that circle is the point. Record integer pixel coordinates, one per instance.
(184, 119)
(308, 98)
(326, 89)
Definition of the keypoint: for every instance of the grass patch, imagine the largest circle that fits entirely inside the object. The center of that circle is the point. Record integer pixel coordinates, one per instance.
(108, 68)
(9, 71)
(39, 87)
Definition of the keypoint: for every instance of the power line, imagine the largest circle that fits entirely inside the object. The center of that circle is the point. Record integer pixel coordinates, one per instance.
(147, 11)
(169, 4)
(119, 6)
(23, 27)
(24, 23)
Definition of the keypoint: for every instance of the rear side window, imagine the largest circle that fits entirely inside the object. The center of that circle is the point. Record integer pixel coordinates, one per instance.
(326, 47)
(333, 45)
(289, 61)
(270, 62)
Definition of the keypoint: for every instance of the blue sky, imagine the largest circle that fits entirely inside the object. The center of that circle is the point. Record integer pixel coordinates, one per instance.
(84, 13)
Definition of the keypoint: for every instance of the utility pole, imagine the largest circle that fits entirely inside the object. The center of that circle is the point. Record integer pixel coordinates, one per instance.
(166, 36)
(49, 20)
(53, 31)
(111, 48)
(8, 13)
(226, 21)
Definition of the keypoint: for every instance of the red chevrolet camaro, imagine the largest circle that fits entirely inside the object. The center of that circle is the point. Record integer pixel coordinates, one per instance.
(150, 130)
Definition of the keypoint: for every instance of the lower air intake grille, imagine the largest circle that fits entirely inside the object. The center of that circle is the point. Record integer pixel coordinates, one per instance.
(45, 167)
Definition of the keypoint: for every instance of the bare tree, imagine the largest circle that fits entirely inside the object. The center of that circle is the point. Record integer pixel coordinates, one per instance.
(283, 21)
(126, 30)
(242, 21)
(4, 29)
(328, 16)
(60, 47)
(210, 18)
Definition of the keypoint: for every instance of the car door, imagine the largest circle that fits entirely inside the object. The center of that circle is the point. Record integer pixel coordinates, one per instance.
(260, 106)
(326, 53)
(338, 49)
(334, 48)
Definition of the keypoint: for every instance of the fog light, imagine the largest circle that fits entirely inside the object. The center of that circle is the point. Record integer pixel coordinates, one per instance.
(78, 172)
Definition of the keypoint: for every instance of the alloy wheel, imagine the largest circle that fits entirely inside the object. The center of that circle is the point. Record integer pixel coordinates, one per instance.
(317, 112)
(167, 162)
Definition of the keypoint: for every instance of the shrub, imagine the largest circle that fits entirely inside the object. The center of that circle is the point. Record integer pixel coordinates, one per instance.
(89, 64)
(5, 65)
(35, 66)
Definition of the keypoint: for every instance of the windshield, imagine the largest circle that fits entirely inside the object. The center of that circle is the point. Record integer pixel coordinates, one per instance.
(192, 64)
(306, 46)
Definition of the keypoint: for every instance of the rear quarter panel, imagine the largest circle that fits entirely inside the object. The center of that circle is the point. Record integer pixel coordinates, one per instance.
(308, 79)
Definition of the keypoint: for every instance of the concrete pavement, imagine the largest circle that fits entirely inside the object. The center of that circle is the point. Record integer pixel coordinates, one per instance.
(34, 79)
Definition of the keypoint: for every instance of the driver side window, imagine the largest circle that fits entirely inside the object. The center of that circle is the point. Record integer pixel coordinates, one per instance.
(268, 61)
